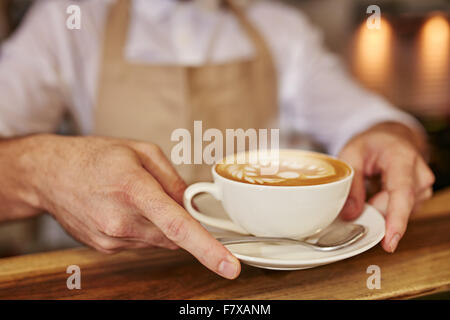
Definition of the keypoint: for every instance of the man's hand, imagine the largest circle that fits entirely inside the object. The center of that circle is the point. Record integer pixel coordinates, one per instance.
(392, 151)
(110, 194)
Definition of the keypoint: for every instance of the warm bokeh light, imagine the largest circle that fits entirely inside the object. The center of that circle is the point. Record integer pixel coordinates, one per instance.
(373, 54)
(435, 44)
(434, 60)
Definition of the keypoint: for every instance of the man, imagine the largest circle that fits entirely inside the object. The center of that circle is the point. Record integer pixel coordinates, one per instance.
(136, 77)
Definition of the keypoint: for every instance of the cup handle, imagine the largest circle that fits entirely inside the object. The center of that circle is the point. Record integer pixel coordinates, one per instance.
(212, 189)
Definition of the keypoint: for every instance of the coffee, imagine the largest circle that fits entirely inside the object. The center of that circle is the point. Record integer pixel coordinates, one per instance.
(261, 202)
(295, 168)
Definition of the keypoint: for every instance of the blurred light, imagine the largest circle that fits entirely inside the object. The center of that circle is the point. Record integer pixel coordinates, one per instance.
(434, 59)
(435, 44)
(373, 54)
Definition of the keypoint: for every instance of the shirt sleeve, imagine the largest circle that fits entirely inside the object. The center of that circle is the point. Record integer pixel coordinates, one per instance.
(318, 96)
(31, 98)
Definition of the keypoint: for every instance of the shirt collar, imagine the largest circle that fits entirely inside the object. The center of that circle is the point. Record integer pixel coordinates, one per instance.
(158, 10)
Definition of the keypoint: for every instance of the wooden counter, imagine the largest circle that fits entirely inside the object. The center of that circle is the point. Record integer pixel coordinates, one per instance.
(420, 266)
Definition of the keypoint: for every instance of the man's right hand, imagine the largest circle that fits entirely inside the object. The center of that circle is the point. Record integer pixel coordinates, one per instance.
(108, 193)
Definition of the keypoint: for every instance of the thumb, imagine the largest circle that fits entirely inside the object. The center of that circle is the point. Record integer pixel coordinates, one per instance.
(355, 202)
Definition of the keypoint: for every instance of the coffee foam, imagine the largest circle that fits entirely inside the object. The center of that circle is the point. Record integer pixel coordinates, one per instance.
(294, 168)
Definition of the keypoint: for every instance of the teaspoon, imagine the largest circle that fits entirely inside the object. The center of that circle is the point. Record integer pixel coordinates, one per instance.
(335, 238)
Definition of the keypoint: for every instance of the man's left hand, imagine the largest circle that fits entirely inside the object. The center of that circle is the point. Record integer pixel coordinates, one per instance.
(394, 152)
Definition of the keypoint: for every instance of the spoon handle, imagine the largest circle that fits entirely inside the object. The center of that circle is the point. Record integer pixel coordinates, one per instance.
(239, 240)
(333, 239)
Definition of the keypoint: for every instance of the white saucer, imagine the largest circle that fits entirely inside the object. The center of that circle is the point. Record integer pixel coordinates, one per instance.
(295, 257)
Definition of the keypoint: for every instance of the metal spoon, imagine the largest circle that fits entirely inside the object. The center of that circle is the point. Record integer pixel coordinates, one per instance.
(335, 238)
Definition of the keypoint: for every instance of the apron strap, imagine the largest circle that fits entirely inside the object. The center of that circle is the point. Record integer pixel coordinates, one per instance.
(116, 32)
(260, 46)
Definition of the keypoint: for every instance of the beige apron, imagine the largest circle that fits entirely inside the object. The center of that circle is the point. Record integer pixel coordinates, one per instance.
(148, 102)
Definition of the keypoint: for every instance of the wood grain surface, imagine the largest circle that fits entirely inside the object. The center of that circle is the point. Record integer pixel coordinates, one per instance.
(420, 266)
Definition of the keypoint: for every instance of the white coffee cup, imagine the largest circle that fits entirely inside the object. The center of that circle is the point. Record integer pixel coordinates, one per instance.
(275, 211)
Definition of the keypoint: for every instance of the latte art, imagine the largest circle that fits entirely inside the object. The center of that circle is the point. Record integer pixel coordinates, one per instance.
(294, 168)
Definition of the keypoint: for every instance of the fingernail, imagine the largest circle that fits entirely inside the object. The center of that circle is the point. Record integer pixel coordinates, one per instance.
(394, 242)
(228, 269)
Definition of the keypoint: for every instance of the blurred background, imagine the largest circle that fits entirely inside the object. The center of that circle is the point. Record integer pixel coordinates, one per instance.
(407, 61)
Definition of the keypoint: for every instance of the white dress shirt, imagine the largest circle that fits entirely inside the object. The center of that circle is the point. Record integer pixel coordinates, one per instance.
(47, 69)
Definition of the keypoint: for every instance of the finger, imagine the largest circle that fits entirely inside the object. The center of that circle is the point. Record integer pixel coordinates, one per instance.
(380, 201)
(110, 245)
(423, 175)
(179, 227)
(356, 199)
(398, 176)
(132, 228)
(150, 234)
(357, 196)
(107, 244)
(401, 203)
(160, 167)
(421, 198)
(424, 195)
(85, 233)
(87, 237)
(144, 238)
